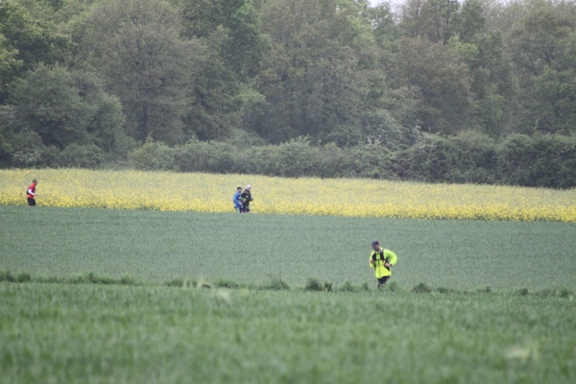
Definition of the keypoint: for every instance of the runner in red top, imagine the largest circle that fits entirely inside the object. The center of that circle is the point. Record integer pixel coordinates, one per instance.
(31, 193)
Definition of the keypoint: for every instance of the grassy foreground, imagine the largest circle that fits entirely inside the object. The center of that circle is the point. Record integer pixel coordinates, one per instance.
(522, 330)
(334, 197)
(52, 333)
(160, 246)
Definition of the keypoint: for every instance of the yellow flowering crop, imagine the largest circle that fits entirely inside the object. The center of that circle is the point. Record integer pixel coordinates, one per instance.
(339, 197)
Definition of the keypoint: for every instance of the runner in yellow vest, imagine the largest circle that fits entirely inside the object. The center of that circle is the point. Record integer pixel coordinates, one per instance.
(381, 260)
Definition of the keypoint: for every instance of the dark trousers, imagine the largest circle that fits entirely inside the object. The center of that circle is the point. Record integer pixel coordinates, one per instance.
(382, 280)
(31, 202)
(246, 207)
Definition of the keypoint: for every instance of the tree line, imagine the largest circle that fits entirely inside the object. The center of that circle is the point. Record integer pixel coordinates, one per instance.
(102, 83)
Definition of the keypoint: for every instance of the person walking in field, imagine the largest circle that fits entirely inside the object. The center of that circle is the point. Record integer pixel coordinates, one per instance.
(382, 260)
(237, 199)
(31, 193)
(246, 199)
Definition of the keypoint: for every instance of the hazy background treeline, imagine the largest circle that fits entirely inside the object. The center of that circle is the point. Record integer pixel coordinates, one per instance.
(434, 90)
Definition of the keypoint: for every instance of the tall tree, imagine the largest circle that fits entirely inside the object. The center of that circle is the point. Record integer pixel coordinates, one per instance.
(236, 45)
(65, 108)
(25, 42)
(440, 82)
(316, 77)
(541, 43)
(432, 19)
(145, 61)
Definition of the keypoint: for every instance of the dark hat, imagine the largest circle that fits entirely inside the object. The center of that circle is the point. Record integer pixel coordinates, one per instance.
(375, 243)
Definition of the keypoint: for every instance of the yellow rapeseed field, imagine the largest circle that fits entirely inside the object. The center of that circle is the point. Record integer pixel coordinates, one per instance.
(198, 192)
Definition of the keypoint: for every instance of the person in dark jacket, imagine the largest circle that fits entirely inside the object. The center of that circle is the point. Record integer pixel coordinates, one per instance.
(246, 199)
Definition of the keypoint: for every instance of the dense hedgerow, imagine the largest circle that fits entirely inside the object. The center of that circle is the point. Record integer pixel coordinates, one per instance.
(521, 160)
(535, 161)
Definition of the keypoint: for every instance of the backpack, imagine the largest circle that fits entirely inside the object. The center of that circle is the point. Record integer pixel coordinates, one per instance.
(385, 260)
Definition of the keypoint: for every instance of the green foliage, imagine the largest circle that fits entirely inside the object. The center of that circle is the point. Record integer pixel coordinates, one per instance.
(546, 161)
(347, 287)
(421, 288)
(223, 283)
(81, 156)
(23, 277)
(152, 156)
(275, 283)
(6, 151)
(392, 287)
(330, 88)
(467, 158)
(175, 283)
(318, 70)
(442, 83)
(26, 41)
(139, 49)
(64, 108)
(313, 285)
(7, 276)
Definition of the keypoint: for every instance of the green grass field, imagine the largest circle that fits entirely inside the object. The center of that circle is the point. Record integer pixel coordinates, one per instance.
(53, 333)
(522, 330)
(159, 246)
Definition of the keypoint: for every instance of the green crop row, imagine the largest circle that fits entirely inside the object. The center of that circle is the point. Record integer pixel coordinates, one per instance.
(148, 334)
(272, 284)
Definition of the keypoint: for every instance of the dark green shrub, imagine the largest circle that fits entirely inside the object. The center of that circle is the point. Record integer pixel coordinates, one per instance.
(421, 288)
(23, 277)
(79, 279)
(347, 287)
(127, 280)
(539, 161)
(485, 290)
(313, 285)
(80, 156)
(275, 284)
(6, 148)
(227, 284)
(174, 283)
(467, 158)
(213, 157)
(153, 156)
(7, 276)
(27, 149)
(391, 287)
(522, 292)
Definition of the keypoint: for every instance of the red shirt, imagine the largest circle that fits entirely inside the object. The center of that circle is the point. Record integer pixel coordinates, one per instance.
(31, 188)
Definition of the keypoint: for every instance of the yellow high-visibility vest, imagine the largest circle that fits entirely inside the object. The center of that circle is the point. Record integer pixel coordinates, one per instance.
(379, 259)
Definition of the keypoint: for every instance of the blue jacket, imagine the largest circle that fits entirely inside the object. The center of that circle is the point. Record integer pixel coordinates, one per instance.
(236, 200)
